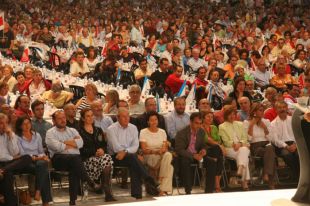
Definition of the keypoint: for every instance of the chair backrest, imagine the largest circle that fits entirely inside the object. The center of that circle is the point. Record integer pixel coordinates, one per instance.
(78, 91)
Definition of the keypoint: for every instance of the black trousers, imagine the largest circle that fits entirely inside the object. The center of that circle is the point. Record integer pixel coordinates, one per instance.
(291, 159)
(10, 168)
(137, 172)
(213, 167)
(77, 173)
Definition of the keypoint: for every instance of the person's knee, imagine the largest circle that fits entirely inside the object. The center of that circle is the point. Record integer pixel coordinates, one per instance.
(167, 156)
(244, 150)
(42, 164)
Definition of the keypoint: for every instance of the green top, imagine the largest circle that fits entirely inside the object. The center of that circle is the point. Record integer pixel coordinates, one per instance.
(232, 132)
(214, 134)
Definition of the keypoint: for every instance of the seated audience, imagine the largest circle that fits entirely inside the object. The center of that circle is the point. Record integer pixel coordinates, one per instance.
(174, 81)
(79, 67)
(123, 144)
(100, 120)
(91, 92)
(283, 138)
(63, 144)
(235, 140)
(70, 112)
(57, 96)
(245, 107)
(259, 135)
(111, 100)
(8, 77)
(11, 161)
(21, 85)
(22, 106)
(136, 106)
(39, 124)
(97, 163)
(154, 146)
(30, 143)
(215, 150)
(38, 85)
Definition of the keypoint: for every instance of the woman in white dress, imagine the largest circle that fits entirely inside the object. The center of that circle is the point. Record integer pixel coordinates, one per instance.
(155, 152)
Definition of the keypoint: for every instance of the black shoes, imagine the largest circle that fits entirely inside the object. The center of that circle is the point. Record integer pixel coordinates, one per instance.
(151, 187)
(109, 198)
(137, 196)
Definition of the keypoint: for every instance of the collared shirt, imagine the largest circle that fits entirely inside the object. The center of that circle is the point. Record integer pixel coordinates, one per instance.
(191, 147)
(37, 91)
(41, 126)
(55, 141)
(136, 35)
(137, 108)
(243, 115)
(8, 147)
(103, 123)
(175, 122)
(120, 138)
(258, 132)
(282, 131)
(261, 78)
(34, 147)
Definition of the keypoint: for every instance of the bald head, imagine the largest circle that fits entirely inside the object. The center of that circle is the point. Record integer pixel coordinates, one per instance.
(97, 108)
(245, 104)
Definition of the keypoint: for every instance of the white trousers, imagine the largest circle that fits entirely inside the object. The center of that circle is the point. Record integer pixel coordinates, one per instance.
(242, 158)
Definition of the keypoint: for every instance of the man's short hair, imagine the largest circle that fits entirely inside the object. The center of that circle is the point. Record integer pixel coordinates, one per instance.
(177, 99)
(35, 104)
(161, 61)
(147, 99)
(195, 115)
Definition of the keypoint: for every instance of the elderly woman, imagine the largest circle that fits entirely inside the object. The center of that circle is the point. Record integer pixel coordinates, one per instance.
(7, 77)
(21, 85)
(214, 90)
(28, 71)
(57, 96)
(216, 149)
(38, 85)
(235, 140)
(258, 130)
(136, 106)
(154, 145)
(4, 93)
(30, 143)
(91, 92)
(282, 78)
(97, 163)
(111, 99)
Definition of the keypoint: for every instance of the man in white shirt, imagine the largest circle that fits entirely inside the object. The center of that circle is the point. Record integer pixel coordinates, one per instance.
(261, 75)
(283, 138)
(85, 39)
(10, 161)
(136, 34)
(195, 62)
(168, 53)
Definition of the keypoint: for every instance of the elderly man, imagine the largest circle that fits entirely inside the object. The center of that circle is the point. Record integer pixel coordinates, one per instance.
(176, 119)
(101, 121)
(293, 92)
(64, 145)
(123, 143)
(136, 106)
(261, 74)
(150, 106)
(204, 105)
(283, 138)
(10, 161)
(195, 62)
(245, 108)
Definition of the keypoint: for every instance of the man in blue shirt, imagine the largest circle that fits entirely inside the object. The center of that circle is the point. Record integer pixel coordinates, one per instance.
(123, 144)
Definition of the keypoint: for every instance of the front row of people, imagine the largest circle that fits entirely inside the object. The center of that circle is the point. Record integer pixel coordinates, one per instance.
(90, 153)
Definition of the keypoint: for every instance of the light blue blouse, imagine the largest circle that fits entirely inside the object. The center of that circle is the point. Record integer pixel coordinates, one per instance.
(34, 147)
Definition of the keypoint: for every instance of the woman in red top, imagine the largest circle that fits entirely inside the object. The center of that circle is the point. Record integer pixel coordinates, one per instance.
(174, 81)
(21, 84)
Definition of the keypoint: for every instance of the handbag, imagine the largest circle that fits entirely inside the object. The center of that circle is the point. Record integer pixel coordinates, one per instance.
(24, 197)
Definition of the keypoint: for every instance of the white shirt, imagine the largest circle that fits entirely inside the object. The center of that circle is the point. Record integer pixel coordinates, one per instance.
(166, 55)
(153, 140)
(282, 131)
(36, 92)
(261, 78)
(8, 147)
(75, 68)
(195, 64)
(136, 35)
(258, 132)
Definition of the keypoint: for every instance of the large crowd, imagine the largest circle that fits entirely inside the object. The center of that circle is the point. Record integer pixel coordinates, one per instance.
(250, 59)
